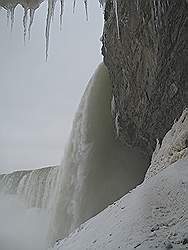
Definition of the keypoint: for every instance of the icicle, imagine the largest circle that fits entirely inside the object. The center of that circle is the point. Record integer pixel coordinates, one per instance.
(12, 17)
(25, 23)
(159, 13)
(32, 14)
(113, 106)
(61, 14)
(74, 5)
(117, 124)
(51, 7)
(8, 17)
(137, 5)
(86, 9)
(116, 14)
(157, 148)
(102, 3)
(154, 14)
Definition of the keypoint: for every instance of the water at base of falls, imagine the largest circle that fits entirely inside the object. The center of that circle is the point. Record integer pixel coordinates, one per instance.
(96, 169)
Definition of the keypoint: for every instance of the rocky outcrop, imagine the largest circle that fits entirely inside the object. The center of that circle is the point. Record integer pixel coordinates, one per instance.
(147, 58)
(173, 147)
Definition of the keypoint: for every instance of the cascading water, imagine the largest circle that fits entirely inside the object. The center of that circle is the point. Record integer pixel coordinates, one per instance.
(24, 208)
(96, 169)
(34, 187)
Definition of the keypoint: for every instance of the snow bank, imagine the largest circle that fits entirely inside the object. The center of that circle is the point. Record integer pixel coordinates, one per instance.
(153, 215)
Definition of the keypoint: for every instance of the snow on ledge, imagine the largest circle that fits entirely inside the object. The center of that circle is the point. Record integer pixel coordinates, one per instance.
(174, 146)
(154, 215)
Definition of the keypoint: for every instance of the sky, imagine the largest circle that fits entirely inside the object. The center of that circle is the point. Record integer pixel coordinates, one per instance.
(38, 99)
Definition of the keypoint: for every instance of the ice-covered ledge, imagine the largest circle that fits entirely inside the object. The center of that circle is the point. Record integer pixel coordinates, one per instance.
(174, 146)
(154, 215)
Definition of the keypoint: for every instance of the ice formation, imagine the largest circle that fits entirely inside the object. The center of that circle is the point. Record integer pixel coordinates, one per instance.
(32, 14)
(61, 13)
(115, 5)
(117, 125)
(30, 8)
(174, 146)
(50, 14)
(113, 106)
(86, 9)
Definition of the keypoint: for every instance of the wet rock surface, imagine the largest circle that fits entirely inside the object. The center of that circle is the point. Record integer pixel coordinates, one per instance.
(147, 63)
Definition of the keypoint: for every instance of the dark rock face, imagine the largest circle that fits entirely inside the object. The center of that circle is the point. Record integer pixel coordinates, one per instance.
(148, 65)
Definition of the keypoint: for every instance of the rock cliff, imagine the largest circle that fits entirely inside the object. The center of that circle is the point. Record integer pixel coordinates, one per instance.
(145, 48)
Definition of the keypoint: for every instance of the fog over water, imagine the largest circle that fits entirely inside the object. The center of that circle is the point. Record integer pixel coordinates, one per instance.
(23, 229)
(38, 99)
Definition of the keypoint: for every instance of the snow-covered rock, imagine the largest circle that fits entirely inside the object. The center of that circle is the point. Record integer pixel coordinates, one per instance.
(154, 215)
(174, 146)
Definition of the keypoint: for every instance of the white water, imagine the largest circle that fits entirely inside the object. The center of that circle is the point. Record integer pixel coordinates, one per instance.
(96, 169)
(34, 188)
(95, 172)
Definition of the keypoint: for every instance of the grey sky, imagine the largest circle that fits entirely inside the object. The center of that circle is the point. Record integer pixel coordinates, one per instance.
(38, 99)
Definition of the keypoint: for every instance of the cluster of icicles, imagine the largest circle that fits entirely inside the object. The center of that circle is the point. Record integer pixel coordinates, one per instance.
(30, 7)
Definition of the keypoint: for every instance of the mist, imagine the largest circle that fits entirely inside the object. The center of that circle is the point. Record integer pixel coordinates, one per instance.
(21, 228)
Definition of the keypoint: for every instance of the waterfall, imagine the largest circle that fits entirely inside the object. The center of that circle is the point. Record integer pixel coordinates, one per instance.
(96, 169)
(33, 187)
